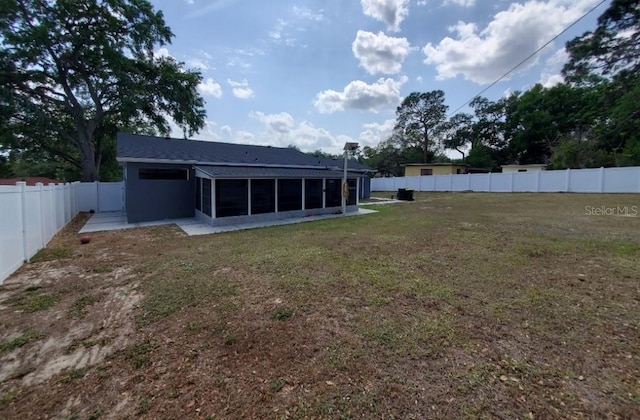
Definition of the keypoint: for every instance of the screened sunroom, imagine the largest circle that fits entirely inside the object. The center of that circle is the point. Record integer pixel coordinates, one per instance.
(234, 194)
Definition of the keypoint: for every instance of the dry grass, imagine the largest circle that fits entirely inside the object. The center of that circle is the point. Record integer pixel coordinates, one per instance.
(452, 306)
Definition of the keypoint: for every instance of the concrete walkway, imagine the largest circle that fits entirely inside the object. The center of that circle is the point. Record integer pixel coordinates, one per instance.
(117, 220)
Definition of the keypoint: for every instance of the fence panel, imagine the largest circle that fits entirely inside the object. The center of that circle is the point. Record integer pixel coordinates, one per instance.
(621, 180)
(11, 237)
(460, 183)
(605, 180)
(87, 193)
(413, 182)
(480, 182)
(110, 196)
(33, 222)
(525, 181)
(442, 183)
(585, 181)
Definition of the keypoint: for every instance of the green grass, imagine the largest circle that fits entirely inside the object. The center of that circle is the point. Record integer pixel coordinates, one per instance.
(73, 374)
(417, 311)
(33, 302)
(282, 314)
(82, 304)
(9, 396)
(176, 284)
(139, 354)
(51, 254)
(8, 346)
(276, 384)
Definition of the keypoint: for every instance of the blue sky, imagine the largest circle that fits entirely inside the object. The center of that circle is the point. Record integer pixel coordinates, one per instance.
(318, 73)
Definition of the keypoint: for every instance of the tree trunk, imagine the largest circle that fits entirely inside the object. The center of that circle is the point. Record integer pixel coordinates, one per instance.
(87, 158)
(425, 147)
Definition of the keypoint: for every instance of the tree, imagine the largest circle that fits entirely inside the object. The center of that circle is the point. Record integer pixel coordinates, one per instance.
(609, 57)
(418, 115)
(612, 48)
(548, 116)
(320, 154)
(459, 132)
(72, 73)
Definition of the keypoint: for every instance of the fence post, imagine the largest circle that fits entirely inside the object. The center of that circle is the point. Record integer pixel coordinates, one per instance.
(568, 187)
(43, 232)
(489, 189)
(512, 175)
(97, 184)
(468, 181)
(538, 181)
(601, 179)
(450, 182)
(23, 217)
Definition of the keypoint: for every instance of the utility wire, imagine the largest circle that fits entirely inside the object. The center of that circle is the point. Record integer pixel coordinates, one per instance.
(528, 58)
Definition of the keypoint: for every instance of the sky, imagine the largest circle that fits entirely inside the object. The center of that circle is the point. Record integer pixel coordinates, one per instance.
(318, 73)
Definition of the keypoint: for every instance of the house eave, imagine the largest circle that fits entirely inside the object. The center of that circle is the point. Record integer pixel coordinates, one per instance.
(207, 163)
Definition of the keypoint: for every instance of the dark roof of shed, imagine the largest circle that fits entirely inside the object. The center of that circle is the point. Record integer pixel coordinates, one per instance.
(270, 172)
(139, 148)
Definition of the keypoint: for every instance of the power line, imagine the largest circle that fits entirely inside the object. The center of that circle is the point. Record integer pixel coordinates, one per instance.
(528, 57)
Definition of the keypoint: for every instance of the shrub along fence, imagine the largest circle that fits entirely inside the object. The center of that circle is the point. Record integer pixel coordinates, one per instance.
(599, 180)
(31, 215)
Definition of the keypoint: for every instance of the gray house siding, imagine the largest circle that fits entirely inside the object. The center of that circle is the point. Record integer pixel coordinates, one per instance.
(155, 198)
(365, 187)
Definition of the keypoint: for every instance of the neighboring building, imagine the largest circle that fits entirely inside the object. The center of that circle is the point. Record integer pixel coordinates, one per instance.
(224, 183)
(421, 169)
(31, 181)
(524, 168)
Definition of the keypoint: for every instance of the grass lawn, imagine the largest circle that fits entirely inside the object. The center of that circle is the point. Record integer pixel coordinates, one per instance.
(451, 306)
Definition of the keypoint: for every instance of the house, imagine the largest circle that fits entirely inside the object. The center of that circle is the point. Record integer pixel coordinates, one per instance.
(223, 183)
(31, 181)
(421, 169)
(533, 167)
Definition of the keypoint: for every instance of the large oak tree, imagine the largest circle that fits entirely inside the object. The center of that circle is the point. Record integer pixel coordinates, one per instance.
(74, 72)
(418, 116)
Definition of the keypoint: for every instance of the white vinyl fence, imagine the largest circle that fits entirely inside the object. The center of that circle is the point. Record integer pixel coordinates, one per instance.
(31, 216)
(600, 180)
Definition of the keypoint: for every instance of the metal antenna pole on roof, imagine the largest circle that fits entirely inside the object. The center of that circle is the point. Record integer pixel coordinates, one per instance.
(348, 147)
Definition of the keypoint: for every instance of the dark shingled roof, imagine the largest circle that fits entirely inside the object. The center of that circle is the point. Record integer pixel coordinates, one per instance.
(262, 172)
(132, 148)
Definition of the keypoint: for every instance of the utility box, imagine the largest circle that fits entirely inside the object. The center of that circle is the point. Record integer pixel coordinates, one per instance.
(405, 194)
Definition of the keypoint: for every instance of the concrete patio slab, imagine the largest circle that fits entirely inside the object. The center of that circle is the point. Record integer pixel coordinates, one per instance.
(118, 220)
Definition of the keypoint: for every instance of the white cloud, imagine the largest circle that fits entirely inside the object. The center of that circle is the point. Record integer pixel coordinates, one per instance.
(281, 130)
(419, 79)
(197, 63)
(279, 123)
(241, 89)
(206, 133)
(241, 58)
(298, 20)
(462, 3)
(483, 55)
(211, 7)
(391, 12)
(226, 130)
(551, 75)
(383, 94)
(373, 133)
(380, 53)
(244, 137)
(304, 13)
(162, 53)
(210, 88)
